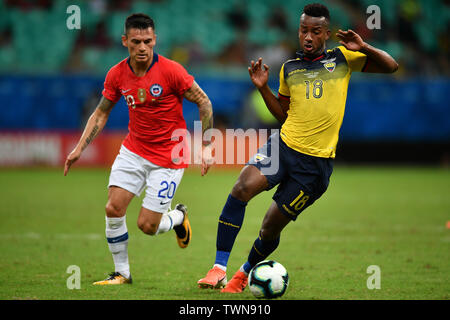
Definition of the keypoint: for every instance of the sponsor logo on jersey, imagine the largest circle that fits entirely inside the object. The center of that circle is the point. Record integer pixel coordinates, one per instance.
(156, 90)
(296, 71)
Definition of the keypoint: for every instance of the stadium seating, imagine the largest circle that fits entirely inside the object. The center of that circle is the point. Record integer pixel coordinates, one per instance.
(205, 23)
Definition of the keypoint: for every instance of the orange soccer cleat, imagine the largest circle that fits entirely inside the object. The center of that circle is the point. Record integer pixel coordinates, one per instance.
(237, 284)
(216, 278)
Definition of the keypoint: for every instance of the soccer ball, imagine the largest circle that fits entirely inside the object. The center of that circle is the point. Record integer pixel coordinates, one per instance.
(268, 279)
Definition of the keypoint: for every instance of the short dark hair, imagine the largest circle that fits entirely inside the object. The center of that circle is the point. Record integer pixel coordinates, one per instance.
(317, 10)
(138, 21)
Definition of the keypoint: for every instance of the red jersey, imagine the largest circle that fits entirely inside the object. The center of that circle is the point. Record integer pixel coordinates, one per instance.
(154, 106)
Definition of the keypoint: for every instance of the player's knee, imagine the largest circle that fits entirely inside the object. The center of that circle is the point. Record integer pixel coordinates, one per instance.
(242, 191)
(113, 211)
(147, 227)
(249, 184)
(269, 233)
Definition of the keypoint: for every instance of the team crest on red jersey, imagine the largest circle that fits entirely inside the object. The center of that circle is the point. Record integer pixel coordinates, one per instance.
(156, 90)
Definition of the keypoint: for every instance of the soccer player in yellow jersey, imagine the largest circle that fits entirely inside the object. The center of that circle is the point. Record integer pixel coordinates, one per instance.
(310, 105)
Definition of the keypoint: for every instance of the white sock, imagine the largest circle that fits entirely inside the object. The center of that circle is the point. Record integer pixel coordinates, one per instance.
(243, 270)
(169, 220)
(165, 224)
(177, 217)
(220, 267)
(117, 237)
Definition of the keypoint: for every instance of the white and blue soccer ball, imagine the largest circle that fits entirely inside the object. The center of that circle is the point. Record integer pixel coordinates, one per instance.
(268, 279)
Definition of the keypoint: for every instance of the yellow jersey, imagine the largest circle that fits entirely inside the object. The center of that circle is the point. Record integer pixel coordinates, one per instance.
(318, 91)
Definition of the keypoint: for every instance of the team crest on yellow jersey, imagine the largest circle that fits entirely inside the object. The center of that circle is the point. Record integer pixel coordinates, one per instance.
(329, 64)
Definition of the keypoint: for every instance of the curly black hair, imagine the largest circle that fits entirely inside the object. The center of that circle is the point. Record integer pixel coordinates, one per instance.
(317, 10)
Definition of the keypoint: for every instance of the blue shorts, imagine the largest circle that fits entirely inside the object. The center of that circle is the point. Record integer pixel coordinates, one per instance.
(301, 179)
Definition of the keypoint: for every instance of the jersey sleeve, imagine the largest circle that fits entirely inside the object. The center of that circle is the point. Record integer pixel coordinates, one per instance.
(181, 80)
(283, 89)
(356, 61)
(110, 88)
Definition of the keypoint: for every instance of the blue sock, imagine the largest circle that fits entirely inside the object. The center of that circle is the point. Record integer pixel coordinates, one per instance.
(260, 251)
(247, 267)
(222, 257)
(230, 223)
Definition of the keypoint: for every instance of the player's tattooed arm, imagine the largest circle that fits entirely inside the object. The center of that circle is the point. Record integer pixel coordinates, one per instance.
(94, 125)
(96, 122)
(196, 95)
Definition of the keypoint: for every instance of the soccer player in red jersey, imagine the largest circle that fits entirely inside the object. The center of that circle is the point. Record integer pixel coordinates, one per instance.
(153, 87)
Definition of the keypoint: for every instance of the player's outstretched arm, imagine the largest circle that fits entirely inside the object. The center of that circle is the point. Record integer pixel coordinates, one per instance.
(196, 95)
(380, 61)
(94, 125)
(260, 77)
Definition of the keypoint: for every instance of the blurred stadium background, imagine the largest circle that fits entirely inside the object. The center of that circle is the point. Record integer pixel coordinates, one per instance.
(51, 77)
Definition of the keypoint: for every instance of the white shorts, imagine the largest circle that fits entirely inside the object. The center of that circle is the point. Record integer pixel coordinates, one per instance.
(133, 173)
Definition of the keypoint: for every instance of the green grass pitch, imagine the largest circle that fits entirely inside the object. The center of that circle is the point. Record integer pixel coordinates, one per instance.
(391, 217)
